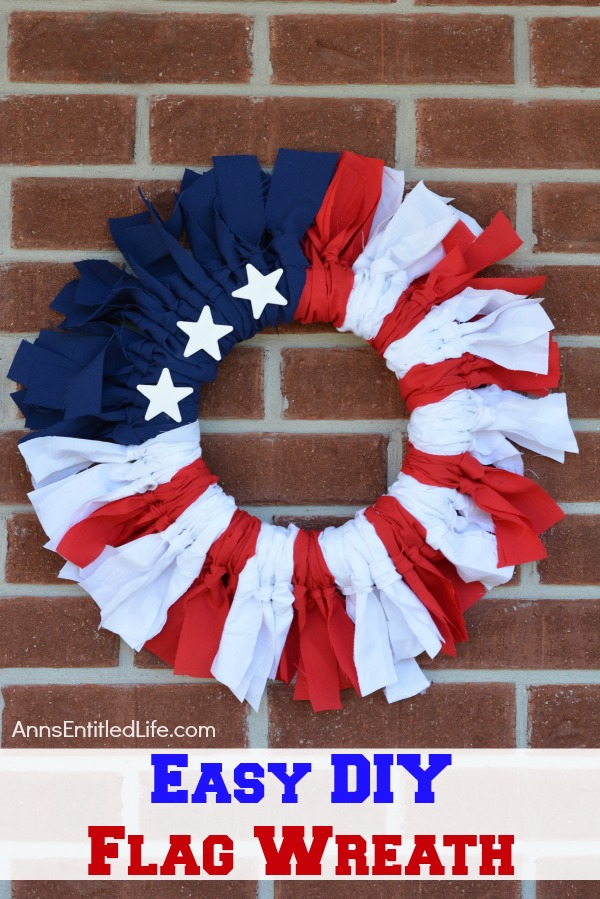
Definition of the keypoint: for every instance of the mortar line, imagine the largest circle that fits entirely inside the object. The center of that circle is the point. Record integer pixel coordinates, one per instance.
(406, 137)
(283, 8)
(5, 214)
(3, 545)
(521, 712)
(4, 46)
(525, 217)
(394, 453)
(526, 677)
(262, 70)
(522, 50)
(266, 889)
(142, 132)
(257, 724)
(126, 657)
(359, 91)
(274, 401)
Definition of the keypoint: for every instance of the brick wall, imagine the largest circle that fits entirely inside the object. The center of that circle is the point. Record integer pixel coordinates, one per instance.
(498, 106)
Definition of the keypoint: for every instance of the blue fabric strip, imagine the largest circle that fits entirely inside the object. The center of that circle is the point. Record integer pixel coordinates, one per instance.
(120, 328)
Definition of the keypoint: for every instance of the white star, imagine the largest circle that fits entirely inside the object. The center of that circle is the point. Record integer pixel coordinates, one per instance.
(204, 335)
(261, 290)
(164, 396)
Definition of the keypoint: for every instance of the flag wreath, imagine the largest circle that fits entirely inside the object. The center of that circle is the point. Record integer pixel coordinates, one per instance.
(122, 491)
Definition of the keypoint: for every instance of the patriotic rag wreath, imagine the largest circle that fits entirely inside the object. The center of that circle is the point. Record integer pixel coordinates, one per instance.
(123, 494)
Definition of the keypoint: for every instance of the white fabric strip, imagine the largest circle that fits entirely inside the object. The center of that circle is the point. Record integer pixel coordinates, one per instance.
(135, 585)
(456, 527)
(405, 244)
(390, 199)
(513, 332)
(480, 421)
(75, 477)
(260, 617)
(392, 625)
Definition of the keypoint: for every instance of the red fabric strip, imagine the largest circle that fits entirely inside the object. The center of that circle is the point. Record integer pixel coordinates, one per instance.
(466, 255)
(337, 236)
(422, 567)
(520, 509)
(320, 645)
(190, 638)
(135, 516)
(424, 384)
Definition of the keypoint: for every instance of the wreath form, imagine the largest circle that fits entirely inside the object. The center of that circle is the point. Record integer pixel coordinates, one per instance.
(124, 496)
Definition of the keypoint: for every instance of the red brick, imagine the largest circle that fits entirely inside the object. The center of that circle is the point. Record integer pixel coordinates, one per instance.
(571, 482)
(573, 556)
(187, 130)
(457, 715)
(300, 328)
(565, 218)
(238, 390)
(565, 52)
(170, 705)
(566, 889)
(324, 469)
(146, 889)
(564, 717)
(481, 200)
(572, 294)
(573, 298)
(310, 522)
(15, 481)
(26, 290)
(55, 130)
(377, 889)
(119, 47)
(59, 213)
(507, 633)
(579, 367)
(52, 632)
(27, 562)
(147, 659)
(392, 49)
(339, 384)
(488, 133)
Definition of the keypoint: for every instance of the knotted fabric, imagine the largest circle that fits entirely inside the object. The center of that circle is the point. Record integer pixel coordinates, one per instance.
(510, 330)
(190, 638)
(402, 247)
(520, 509)
(420, 566)
(121, 330)
(73, 477)
(260, 617)
(135, 516)
(455, 526)
(337, 236)
(319, 648)
(481, 421)
(392, 626)
(466, 256)
(134, 585)
(424, 384)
